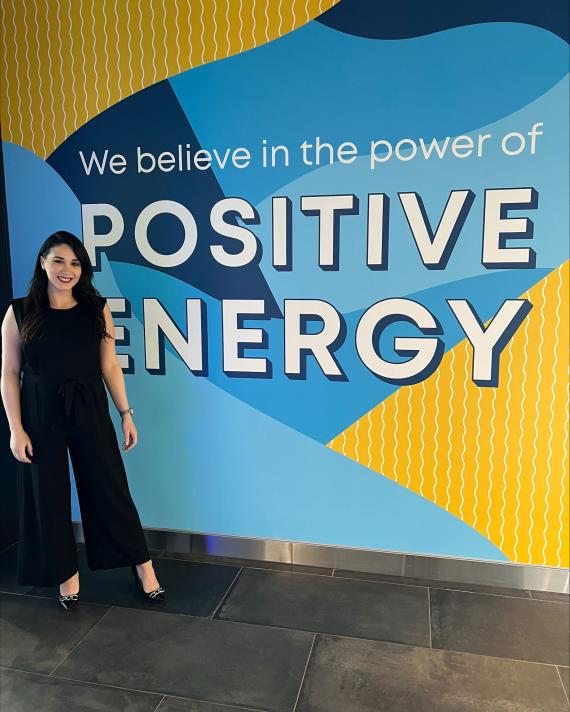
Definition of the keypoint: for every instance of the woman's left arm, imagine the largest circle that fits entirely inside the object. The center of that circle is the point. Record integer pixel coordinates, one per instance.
(115, 381)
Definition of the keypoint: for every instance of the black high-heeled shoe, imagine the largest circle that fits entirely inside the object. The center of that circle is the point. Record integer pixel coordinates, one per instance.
(156, 596)
(69, 601)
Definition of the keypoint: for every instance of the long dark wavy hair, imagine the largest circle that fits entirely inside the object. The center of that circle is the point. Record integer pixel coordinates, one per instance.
(36, 304)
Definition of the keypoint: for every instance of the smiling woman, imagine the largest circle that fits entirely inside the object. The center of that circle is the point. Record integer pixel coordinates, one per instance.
(59, 340)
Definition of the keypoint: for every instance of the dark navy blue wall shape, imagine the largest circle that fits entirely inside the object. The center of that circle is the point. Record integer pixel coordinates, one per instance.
(153, 120)
(413, 18)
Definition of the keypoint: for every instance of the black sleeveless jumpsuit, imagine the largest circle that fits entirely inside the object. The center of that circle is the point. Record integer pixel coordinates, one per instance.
(64, 407)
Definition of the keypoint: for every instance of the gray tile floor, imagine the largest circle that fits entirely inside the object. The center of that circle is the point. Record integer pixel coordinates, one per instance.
(245, 635)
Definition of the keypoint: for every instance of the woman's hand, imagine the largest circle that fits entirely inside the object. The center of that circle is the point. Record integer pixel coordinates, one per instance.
(129, 431)
(21, 445)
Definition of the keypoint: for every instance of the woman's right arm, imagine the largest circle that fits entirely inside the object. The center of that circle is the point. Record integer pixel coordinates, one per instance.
(10, 387)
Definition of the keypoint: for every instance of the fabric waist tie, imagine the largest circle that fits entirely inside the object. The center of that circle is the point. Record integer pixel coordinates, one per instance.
(75, 395)
(73, 391)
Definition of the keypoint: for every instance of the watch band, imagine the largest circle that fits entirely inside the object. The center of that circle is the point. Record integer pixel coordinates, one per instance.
(124, 412)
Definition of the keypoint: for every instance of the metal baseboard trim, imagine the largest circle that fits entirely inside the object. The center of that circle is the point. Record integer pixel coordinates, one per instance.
(467, 571)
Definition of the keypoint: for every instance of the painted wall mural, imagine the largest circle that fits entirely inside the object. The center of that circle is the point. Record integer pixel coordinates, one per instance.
(334, 237)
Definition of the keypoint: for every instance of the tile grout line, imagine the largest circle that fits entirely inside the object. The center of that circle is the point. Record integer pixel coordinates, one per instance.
(411, 585)
(376, 640)
(180, 697)
(51, 594)
(443, 587)
(8, 547)
(545, 600)
(345, 578)
(528, 597)
(332, 574)
(21, 593)
(304, 673)
(398, 583)
(81, 681)
(237, 562)
(340, 635)
(563, 688)
(47, 595)
(221, 705)
(388, 583)
(429, 618)
(326, 634)
(79, 641)
(159, 703)
(226, 594)
(256, 568)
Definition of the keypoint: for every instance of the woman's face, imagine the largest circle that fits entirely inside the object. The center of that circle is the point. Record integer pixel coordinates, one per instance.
(62, 267)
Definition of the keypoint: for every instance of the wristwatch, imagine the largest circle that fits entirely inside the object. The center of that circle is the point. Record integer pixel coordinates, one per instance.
(124, 412)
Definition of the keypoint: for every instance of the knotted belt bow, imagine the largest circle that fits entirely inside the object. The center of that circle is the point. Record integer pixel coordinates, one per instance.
(75, 395)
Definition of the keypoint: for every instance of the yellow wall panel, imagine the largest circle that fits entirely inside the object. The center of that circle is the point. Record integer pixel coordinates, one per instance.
(65, 61)
(497, 458)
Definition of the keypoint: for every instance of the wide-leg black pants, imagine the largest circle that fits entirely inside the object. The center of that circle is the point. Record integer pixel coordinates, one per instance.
(73, 416)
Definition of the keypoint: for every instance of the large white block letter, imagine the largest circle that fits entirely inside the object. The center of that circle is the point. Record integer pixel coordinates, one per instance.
(235, 336)
(236, 232)
(426, 352)
(298, 343)
(436, 248)
(190, 233)
(488, 343)
(92, 240)
(329, 208)
(498, 228)
(158, 324)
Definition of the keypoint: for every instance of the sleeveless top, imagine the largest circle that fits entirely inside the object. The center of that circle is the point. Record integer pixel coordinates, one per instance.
(67, 349)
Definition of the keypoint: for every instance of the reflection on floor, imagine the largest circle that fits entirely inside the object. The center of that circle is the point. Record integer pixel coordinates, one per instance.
(246, 635)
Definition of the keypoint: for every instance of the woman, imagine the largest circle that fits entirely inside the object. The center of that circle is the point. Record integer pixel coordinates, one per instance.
(61, 337)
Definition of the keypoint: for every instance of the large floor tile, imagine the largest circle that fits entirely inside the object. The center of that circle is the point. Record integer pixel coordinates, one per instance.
(192, 588)
(452, 585)
(362, 609)
(205, 659)
(24, 692)
(8, 561)
(503, 627)
(364, 676)
(38, 633)
(249, 563)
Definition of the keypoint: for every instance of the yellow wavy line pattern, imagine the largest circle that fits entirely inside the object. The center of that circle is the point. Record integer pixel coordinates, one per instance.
(65, 61)
(497, 458)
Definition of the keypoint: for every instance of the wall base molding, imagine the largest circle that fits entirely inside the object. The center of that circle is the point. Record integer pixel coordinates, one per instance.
(468, 571)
